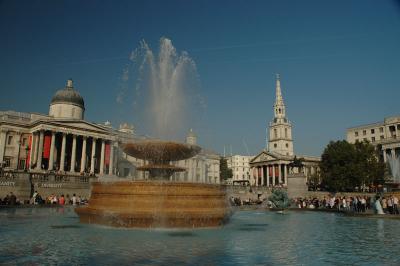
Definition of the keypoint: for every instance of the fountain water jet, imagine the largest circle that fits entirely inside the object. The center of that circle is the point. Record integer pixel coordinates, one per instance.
(394, 164)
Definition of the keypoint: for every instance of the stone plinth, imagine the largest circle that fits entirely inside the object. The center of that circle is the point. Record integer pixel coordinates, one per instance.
(149, 204)
(297, 185)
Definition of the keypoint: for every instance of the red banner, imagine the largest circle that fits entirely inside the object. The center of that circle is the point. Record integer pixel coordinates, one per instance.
(46, 149)
(269, 170)
(276, 170)
(29, 153)
(107, 153)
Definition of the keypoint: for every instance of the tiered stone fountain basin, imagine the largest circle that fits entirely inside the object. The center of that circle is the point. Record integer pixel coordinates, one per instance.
(157, 202)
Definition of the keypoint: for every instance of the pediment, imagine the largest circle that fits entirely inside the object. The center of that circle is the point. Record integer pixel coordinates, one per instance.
(76, 125)
(263, 157)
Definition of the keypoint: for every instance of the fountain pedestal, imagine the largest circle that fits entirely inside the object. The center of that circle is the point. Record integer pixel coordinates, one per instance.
(148, 204)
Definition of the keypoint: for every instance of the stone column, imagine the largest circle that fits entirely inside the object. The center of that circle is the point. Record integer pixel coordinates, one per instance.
(3, 136)
(31, 151)
(51, 158)
(111, 165)
(273, 175)
(262, 175)
(267, 175)
(103, 145)
(62, 159)
(83, 156)
(40, 151)
(35, 150)
(73, 155)
(258, 176)
(93, 155)
(285, 174)
(280, 173)
(18, 140)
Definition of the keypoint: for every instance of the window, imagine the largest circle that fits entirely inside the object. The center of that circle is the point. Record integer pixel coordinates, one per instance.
(7, 161)
(382, 137)
(364, 132)
(275, 145)
(381, 129)
(373, 139)
(10, 138)
(356, 133)
(398, 127)
(372, 131)
(286, 133)
(287, 145)
(275, 133)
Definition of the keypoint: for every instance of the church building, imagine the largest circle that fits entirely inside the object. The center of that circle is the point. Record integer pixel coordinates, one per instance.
(272, 165)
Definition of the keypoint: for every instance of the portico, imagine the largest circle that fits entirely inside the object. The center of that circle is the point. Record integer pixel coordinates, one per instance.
(73, 151)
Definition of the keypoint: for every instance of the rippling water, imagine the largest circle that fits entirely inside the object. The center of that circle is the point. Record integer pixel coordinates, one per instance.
(37, 236)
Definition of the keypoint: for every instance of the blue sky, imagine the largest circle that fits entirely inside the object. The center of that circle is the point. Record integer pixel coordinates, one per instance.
(339, 61)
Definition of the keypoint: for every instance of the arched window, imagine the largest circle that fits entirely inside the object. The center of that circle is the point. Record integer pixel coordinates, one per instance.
(275, 133)
(286, 133)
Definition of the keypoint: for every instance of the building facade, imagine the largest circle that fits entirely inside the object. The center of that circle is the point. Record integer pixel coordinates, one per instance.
(385, 135)
(271, 166)
(202, 168)
(62, 142)
(239, 164)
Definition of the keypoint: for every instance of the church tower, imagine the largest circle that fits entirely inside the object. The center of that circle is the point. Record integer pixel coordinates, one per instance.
(279, 133)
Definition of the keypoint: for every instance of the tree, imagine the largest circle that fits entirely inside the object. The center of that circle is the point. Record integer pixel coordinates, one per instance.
(226, 173)
(345, 166)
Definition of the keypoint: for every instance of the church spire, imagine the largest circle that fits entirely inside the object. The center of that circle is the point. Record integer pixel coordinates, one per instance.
(278, 99)
(279, 106)
(279, 132)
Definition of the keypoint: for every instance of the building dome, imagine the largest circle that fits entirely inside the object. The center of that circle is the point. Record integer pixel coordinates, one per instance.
(68, 95)
(67, 103)
(191, 137)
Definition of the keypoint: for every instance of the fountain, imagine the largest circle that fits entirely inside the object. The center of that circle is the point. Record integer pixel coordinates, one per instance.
(394, 164)
(158, 202)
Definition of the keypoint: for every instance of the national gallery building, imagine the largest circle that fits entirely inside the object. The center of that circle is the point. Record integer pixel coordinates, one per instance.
(64, 144)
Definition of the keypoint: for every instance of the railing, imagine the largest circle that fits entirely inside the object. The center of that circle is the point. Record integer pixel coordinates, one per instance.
(44, 177)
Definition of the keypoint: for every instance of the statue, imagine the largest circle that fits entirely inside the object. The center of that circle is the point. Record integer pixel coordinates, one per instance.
(296, 163)
(279, 199)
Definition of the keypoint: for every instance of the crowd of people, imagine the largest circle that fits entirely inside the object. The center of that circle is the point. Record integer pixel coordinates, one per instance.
(60, 200)
(358, 204)
(11, 200)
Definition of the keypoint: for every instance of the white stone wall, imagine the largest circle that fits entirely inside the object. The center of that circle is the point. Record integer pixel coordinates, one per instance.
(377, 133)
(240, 167)
(61, 110)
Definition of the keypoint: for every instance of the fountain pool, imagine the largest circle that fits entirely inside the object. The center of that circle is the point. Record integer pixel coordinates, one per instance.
(55, 236)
